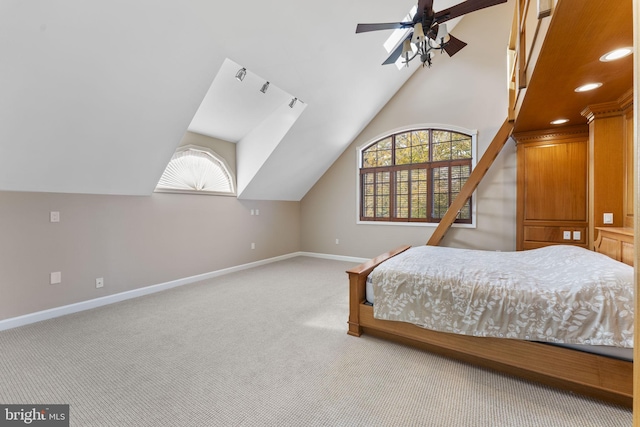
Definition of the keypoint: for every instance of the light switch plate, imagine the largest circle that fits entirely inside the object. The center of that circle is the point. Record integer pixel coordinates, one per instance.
(607, 218)
(55, 278)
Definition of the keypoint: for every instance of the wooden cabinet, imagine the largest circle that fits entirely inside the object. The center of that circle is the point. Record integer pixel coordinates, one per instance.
(607, 163)
(570, 177)
(552, 205)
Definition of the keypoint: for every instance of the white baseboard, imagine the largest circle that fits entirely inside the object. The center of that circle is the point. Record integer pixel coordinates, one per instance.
(335, 257)
(39, 316)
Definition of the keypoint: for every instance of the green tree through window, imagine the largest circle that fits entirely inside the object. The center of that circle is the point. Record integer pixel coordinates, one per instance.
(414, 176)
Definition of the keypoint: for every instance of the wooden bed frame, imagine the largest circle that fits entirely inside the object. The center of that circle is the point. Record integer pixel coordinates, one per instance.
(585, 373)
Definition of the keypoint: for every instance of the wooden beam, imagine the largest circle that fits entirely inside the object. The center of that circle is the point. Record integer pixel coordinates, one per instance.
(470, 186)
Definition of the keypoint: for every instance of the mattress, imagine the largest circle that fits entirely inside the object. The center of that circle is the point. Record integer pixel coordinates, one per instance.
(585, 268)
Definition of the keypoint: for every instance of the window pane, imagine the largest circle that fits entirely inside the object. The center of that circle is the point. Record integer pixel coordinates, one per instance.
(441, 136)
(369, 159)
(367, 208)
(459, 175)
(403, 149)
(403, 140)
(442, 151)
(368, 193)
(384, 158)
(420, 154)
(382, 195)
(419, 206)
(460, 146)
(379, 154)
(419, 193)
(440, 192)
(402, 194)
(440, 205)
(385, 144)
(420, 146)
(403, 156)
(465, 212)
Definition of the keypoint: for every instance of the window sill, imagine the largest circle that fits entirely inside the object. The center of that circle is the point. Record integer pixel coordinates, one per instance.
(194, 192)
(413, 224)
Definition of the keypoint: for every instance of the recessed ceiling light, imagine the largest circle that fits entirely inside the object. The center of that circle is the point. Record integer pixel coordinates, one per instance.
(559, 121)
(588, 86)
(616, 54)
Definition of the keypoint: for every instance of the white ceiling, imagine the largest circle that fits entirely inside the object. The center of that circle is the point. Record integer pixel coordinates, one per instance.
(96, 96)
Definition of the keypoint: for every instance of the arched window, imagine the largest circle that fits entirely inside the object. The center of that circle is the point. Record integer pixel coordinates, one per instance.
(413, 176)
(195, 169)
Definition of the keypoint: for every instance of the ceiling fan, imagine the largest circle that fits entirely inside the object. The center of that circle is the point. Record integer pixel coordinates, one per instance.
(428, 30)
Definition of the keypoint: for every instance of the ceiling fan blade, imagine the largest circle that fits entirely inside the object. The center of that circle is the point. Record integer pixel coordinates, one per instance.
(454, 45)
(363, 28)
(393, 57)
(464, 8)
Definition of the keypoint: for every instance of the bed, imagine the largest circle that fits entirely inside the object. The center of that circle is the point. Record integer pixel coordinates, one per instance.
(531, 339)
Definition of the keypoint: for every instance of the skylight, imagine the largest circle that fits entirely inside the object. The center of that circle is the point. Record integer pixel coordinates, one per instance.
(398, 35)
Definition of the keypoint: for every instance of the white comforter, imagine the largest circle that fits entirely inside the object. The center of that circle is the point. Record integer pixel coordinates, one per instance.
(558, 294)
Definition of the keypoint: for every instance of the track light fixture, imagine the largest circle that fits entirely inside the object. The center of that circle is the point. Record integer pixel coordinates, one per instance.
(293, 102)
(242, 72)
(265, 86)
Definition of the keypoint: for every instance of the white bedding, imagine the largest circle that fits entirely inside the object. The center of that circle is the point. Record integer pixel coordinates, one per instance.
(557, 294)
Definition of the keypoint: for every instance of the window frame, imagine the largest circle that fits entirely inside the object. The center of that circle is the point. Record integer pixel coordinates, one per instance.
(219, 159)
(412, 128)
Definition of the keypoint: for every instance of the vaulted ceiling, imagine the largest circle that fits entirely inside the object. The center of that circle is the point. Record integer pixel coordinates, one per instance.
(96, 96)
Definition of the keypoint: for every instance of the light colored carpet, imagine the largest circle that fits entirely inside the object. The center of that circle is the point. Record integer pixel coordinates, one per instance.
(262, 347)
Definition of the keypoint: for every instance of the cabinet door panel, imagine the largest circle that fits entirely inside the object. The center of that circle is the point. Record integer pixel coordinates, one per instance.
(556, 182)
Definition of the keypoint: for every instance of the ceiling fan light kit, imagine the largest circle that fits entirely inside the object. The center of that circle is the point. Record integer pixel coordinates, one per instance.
(441, 39)
(428, 31)
(418, 34)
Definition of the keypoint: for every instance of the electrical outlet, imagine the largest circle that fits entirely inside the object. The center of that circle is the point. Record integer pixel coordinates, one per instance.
(55, 278)
(257, 211)
(577, 235)
(54, 216)
(566, 235)
(99, 282)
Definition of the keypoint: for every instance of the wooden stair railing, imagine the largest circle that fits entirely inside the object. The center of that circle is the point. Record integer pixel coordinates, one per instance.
(470, 186)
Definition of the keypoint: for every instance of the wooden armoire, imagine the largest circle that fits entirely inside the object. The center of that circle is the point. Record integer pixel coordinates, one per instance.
(575, 183)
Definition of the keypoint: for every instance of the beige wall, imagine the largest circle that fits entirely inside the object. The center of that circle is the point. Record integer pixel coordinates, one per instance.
(131, 241)
(135, 242)
(468, 90)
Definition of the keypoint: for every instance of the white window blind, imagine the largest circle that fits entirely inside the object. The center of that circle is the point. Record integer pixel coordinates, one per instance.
(196, 170)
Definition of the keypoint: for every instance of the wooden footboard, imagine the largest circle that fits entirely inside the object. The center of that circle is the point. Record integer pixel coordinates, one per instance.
(357, 287)
(585, 373)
